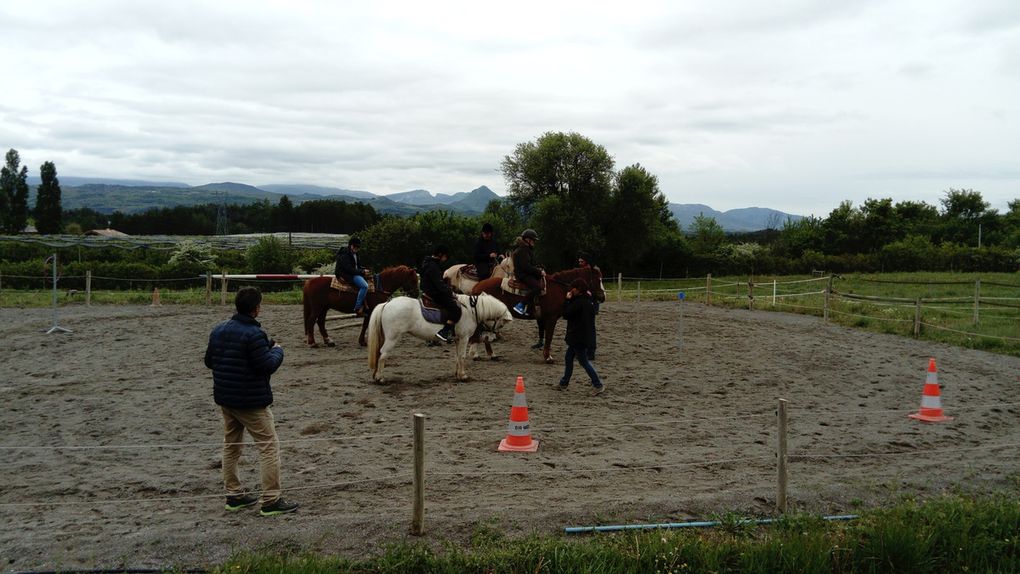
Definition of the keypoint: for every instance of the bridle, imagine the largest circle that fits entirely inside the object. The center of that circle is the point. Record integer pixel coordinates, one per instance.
(482, 326)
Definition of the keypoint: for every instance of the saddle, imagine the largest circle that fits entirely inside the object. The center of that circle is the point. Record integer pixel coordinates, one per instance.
(430, 312)
(469, 271)
(344, 286)
(513, 286)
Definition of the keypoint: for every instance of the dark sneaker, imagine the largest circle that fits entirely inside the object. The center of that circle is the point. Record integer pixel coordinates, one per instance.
(598, 391)
(279, 506)
(561, 387)
(538, 345)
(359, 312)
(240, 501)
(519, 308)
(445, 334)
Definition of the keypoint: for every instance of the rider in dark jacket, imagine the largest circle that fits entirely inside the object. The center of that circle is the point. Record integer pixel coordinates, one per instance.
(350, 269)
(526, 271)
(486, 253)
(433, 285)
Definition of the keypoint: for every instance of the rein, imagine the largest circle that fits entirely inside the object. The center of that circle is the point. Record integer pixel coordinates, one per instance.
(482, 326)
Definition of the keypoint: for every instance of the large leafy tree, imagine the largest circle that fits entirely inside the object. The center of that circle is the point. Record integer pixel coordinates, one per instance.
(14, 192)
(966, 215)
(641, 220)
(47, 201)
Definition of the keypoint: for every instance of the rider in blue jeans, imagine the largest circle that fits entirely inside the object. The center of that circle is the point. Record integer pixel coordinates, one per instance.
(579, 312)
(350, 269)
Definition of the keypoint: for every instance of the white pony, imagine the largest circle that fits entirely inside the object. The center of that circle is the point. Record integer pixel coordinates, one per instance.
(464, 284)
(401, 315)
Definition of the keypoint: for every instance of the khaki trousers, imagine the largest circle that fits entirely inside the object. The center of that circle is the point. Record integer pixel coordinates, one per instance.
(262, 428)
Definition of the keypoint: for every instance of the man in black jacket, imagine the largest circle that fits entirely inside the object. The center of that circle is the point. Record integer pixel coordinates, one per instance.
(579, 312)
(486, 253)
(349, 267)
(242, 359)
(526, 271)
(433, 285)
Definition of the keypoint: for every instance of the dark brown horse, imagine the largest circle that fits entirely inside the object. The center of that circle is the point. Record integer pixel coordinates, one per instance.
(318, 298)
(552, 302)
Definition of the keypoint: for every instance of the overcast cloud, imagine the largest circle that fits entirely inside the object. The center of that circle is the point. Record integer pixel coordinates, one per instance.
(792, 105)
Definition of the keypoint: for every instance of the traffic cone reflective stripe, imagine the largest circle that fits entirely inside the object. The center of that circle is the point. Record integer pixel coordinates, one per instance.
(931, 400)
(518, 434)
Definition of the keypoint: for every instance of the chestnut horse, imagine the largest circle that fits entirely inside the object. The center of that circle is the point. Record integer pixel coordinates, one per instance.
(553, 301)
(318, 298)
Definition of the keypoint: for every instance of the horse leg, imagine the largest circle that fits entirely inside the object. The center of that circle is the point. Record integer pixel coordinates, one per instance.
(461, 361)
(384, 353)
(321, 321)
(362, 341)
(472, 348)
(550, 326)
(488, 349)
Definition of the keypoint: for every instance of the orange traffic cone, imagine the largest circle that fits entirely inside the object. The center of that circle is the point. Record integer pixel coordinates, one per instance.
(931, 401)
(155, 296)
(518, 436)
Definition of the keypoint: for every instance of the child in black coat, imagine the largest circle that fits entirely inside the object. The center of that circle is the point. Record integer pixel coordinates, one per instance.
(579, 312)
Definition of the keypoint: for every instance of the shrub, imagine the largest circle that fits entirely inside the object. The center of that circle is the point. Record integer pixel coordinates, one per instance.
(269, 255)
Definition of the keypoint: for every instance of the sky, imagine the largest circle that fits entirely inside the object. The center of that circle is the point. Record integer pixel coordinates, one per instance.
(794, 105)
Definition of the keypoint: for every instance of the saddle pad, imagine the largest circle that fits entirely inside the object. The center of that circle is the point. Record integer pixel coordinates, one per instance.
(469, 271)
(515, 287)
(431, 314)
(345, 287)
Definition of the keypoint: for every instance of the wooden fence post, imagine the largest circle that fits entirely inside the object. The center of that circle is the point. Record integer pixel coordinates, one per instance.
(708, 289)
(781, 457)
(88, 288)
(917, 318)
(619, 287)
(828, 292)
(418, 510)
(750, 294)
(977, 301)
(208, 288)
(223, 288)
(1, 288)
(639, 291)
(773, 292)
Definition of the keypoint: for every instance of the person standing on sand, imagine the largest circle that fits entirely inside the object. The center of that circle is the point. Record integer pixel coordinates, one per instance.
(579, 311)
(242, 358)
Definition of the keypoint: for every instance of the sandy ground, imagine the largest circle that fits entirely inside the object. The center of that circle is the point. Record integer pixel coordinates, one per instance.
(686, 430)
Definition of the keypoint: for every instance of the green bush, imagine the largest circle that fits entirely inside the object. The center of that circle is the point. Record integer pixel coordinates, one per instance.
(269, 255)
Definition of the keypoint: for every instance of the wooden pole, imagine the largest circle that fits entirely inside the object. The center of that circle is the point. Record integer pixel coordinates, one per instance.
(619, 287)
(1, 287)
(750, 294)
(208, 288)
(781, 457)
(773, 292)
(828, 293)
(708, 289)
(418, 512)
(223, 288)
(88, 288)
(977, 301)
(639, 291)
(917, 318)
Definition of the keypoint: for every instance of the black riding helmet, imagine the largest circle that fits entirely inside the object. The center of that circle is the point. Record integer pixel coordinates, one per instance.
(439, 250)
(530, 234)
(354, 242)
(487, 228)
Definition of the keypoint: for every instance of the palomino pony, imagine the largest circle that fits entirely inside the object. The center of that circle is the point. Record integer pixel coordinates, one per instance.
(463, 284)
(392, 319)
(553, 301)
(318, 298)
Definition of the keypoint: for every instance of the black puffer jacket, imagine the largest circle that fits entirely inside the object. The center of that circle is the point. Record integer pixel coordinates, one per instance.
(580, 315)
(242, 361)
(432, 282)
(348, 264)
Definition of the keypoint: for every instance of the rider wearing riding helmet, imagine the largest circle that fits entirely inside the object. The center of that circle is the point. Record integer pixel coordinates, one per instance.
(433, 285)
(348, 267)
(526, 271)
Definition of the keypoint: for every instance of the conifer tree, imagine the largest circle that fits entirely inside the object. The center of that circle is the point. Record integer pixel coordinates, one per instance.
(14, 189)
(47, 201)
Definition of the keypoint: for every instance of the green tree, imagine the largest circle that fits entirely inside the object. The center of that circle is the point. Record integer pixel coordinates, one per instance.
(283, 215)
(843, 230)
(640, 217)
(269, 255)
(48, 215)
(14, 189)
(965, 216)
(706, 236)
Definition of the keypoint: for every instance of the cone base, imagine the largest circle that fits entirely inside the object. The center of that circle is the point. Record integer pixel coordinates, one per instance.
(504, 447)
(929, 418)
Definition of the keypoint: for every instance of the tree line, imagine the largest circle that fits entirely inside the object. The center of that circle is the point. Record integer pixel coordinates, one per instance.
(569, 190)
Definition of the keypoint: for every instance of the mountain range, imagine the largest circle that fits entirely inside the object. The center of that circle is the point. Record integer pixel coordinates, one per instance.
(129, 196)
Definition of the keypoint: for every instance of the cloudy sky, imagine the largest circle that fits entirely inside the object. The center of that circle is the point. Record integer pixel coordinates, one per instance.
(792, 105)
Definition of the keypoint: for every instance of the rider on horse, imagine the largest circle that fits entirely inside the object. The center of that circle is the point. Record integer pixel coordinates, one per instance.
(486, 253)
(526, 271)
(433, 285)
(349, 268)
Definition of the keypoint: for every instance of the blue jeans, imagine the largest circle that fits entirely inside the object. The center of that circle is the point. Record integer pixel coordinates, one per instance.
(581, 353)
(362, 284)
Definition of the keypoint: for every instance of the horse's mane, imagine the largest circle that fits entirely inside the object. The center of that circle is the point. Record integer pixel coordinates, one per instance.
(488, 306)
(570, 274)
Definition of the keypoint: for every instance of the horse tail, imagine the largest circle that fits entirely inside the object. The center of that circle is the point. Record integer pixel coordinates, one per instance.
(376, 336)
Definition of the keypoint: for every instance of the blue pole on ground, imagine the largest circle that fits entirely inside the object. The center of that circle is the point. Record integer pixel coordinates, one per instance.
(680, 344)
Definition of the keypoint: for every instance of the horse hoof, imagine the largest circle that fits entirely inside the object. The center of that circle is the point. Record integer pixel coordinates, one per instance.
(549, 360)
(495, 358)
(330, 344)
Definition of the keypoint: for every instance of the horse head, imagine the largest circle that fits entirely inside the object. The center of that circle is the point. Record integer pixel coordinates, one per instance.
(401, 277)
(592, 275)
